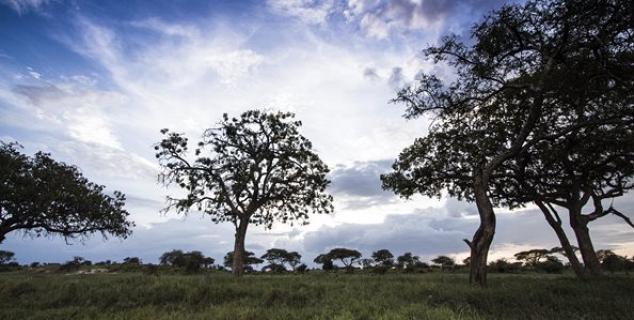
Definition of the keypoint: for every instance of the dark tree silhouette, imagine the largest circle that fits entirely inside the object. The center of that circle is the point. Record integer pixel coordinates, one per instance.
(41, 196)
(578, 168)
(325, 260)
(255, 169)
(6, 256)
(192, 261)
(444, 262)
(407, 261)
(528, 64)
(383, 257)
(346, 256)
(532, 257)
(280, 257)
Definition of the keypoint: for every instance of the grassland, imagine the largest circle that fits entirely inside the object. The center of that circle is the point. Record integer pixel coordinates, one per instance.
(312, 296)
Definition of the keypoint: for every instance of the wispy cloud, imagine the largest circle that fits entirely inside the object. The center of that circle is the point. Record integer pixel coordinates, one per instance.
(25, 6)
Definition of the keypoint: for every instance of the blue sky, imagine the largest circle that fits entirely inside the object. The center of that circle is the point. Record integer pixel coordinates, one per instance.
(94, 82)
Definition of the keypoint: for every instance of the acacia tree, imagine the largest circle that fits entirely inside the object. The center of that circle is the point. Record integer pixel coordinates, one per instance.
(383, 257)
(40, 196)
(325, 260)
(249, 259)
(407, 261)
(280, 257)
(532, 257)
(254, 169)
(527, 62)
(444, 262)
(346, 256)
(587, 167)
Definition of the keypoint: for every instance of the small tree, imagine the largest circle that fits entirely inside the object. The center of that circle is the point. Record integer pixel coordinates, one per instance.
(383, 257)
(277, 258)
(6, 257)
(326, 262)
(346, 256)
(132, 261)
(255, 169)
(41, 196)
(407, 261)
(444, 262)
(172, 258)
(532, 257)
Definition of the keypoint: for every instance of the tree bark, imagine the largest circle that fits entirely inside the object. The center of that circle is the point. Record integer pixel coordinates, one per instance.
(563, 239)
(579, 224)
(238, 249)
(483, 236)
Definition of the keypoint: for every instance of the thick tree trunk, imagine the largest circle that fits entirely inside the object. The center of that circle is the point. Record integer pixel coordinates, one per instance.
(563, 239)
(580, 226)
(483, 237)
(238, 248)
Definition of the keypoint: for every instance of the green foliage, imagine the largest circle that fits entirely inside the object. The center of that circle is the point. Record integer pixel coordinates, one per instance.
(312, 296)
(41, 196)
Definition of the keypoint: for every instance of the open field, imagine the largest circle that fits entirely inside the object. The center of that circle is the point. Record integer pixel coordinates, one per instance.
(312, 296)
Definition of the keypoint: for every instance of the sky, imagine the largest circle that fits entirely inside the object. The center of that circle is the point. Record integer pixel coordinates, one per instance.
(93, 82)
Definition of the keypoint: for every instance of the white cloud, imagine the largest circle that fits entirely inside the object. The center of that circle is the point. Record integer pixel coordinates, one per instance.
(25, 6)
(308, 11)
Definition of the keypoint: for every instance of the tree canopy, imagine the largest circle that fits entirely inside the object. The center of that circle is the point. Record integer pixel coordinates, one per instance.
(41, 196)
(254, 169)
(281, 257)
(383, 257)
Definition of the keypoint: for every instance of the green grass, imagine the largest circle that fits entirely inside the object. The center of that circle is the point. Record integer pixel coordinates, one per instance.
(312, 296)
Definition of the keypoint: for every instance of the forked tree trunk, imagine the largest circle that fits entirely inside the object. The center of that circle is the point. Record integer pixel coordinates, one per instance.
(555, 223)
(579, 224)
(483, 237)
(238, 249)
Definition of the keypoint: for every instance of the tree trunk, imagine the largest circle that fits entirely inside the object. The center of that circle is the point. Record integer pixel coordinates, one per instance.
(238, 248)
(563, 239)
(580, 225)
(483, 237)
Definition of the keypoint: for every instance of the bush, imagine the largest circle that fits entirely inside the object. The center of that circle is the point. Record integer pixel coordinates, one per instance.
(551, 265)
(381, 269)
(503, 266)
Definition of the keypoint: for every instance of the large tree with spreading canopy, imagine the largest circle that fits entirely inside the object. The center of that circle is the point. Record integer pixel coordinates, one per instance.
(253, 169)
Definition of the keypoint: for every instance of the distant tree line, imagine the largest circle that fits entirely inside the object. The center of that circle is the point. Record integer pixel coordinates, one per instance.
(280, 261)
